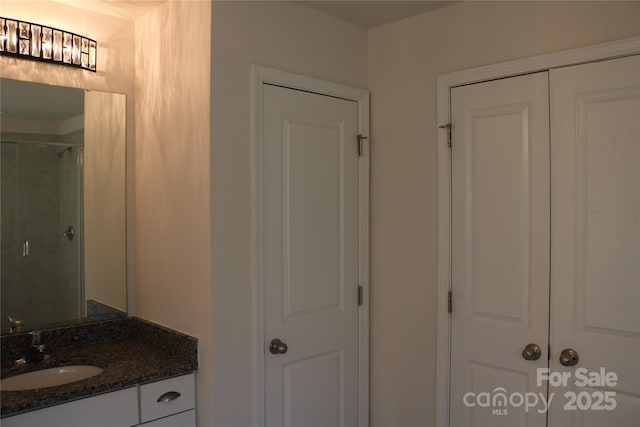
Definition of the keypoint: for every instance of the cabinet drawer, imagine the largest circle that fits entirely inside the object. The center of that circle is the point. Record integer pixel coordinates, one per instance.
(167, 397)
(183, 419)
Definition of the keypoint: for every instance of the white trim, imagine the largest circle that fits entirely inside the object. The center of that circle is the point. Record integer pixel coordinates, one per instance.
(260, 76)
(445, 82)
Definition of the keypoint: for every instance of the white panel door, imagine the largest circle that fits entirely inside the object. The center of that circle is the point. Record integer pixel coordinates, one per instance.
(500, 249)
(310, 258)
(596, 239)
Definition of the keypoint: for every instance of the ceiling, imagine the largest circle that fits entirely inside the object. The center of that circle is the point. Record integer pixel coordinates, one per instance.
(125, 9)
(369, 14)
(25, 100)
(364, 13)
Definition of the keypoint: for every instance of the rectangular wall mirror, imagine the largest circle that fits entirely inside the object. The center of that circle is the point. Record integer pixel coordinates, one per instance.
(62, 207)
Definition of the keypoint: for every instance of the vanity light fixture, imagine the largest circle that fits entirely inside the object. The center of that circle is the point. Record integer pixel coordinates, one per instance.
(34, 41)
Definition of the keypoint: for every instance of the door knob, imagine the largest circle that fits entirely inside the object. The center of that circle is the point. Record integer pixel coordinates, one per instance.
(531, 352)
(277, 347)
(569, 357)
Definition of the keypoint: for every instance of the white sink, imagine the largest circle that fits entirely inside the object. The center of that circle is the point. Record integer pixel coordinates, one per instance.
(49, 377)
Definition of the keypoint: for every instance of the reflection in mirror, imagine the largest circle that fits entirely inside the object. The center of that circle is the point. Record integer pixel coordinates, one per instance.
(62, 212)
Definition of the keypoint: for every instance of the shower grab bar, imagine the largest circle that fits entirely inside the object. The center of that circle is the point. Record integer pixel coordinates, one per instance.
(25, 248)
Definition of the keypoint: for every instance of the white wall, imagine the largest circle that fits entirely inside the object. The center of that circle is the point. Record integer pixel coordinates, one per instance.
(404, 59)
(172, 77)
(278, 35)
(104, 179)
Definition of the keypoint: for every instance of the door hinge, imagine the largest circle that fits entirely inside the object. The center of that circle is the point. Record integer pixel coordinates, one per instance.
(449, 303)
(359, 295)
(448, 128)
(361, 139)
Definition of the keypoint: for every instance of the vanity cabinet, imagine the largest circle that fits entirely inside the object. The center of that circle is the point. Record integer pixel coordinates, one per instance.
(118, 408)
(166, 403)
(183, 419)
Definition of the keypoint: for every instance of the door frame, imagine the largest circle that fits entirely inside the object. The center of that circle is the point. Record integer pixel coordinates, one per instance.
(445, 82)
(259, 77)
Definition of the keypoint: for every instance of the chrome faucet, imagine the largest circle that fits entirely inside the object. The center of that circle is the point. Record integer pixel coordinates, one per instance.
(15, 325)
(35, 352)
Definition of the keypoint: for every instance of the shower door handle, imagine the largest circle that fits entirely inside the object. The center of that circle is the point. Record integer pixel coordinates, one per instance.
(68, 233)
(25, 248)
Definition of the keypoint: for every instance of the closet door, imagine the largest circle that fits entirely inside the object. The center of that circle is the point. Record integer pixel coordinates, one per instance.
(500, 250)
(595, 278)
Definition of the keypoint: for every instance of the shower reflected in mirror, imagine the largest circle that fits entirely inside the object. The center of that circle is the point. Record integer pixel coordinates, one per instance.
(41, 195)
(62, 207)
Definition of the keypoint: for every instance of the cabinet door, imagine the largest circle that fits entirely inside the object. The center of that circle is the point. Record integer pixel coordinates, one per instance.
(116, 409)
(596, 240)
(500, 248)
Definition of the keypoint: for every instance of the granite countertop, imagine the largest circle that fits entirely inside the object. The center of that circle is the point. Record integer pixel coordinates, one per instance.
(139, 353)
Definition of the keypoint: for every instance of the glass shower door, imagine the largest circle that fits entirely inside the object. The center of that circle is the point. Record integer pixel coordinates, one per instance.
(40, 206)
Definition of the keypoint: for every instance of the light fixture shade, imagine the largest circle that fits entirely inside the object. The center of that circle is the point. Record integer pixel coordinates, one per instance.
(47, 43)
(57, 45)
(34, 41)
(3, 34)
(11, 38)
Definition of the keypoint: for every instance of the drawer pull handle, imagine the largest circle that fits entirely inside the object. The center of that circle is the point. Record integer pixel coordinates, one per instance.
(169, 396)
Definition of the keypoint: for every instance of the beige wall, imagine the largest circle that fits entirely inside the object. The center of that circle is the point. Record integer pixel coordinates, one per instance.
(172, 77)
(115, 71)
(278, 35)
(404, 59)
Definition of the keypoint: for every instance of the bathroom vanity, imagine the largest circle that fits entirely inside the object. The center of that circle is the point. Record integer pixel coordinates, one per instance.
(145, 404)
(146, 377)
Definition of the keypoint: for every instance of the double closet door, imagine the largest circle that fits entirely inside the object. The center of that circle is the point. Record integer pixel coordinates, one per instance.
(546, 248)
